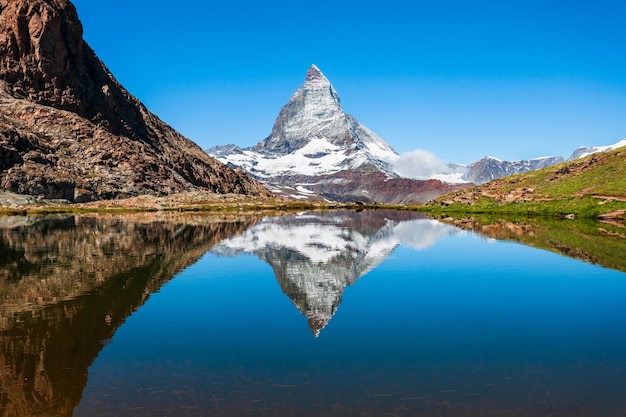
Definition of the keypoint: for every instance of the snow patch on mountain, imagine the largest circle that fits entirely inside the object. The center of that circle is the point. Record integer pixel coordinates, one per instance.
(584, 151)
(317, 157)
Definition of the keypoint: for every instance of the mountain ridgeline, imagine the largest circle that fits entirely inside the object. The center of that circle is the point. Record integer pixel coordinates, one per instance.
(69, 130)
(490, 168)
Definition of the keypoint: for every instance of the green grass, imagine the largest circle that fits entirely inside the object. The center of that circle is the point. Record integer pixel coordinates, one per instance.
(586, 206)
(595, 175)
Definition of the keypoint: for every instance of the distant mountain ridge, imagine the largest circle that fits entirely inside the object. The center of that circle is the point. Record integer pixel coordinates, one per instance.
(490, 168)
(584, 151)
(69, 130)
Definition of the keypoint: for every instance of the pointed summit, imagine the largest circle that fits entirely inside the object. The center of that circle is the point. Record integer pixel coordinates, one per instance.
(313, 111)
(314, 119)
(314, 73)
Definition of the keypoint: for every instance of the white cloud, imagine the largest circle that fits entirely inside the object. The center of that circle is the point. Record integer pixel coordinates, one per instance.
(420, 164)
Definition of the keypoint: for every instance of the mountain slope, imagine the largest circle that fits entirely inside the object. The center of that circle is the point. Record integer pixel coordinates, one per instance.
(590, 186)
(69, 130)
(316, 147)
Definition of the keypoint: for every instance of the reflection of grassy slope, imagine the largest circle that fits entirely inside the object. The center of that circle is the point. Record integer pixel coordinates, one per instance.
(591, 241)
(588, 187)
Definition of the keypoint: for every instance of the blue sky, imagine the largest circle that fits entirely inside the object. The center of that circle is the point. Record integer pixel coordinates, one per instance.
(461, 79)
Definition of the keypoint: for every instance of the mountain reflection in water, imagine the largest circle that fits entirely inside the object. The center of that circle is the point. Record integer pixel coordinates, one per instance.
(467, 326)
(315, 256)
(67, 284)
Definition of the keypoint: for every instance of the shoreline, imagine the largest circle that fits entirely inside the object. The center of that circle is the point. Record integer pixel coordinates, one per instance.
(16, 204)
(599, 208)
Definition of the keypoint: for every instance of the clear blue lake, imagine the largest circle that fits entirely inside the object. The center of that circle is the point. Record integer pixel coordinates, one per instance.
(342, 313)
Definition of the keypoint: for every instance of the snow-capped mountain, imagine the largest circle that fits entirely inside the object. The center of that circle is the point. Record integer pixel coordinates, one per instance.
(315, 149)
(490, 168)
(590, 150)
(312, 136)
(315, 256)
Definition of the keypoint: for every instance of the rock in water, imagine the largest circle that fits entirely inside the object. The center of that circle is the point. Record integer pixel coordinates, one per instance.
(69, 130)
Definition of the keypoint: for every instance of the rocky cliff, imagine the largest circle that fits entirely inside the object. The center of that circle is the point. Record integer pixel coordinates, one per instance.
(69, 130)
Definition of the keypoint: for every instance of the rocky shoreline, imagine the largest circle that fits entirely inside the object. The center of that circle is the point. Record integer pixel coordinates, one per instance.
(12, 203)
(20, 202)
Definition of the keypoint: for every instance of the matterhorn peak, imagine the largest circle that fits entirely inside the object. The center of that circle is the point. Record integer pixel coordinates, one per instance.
(316, 150)
(313, 112)
(314, 125)
(313, 136)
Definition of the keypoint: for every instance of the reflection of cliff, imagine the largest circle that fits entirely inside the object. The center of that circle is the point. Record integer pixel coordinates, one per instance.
(68, 283)
(316, 256)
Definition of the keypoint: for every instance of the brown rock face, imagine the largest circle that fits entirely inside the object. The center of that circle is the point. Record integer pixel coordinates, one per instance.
(45, 60)
(373, 187)
(69, 130)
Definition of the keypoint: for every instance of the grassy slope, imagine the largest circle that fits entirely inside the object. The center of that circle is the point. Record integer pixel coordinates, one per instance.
(588, 187)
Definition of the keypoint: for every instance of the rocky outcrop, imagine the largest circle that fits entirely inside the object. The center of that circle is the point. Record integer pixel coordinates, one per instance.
(69, 130)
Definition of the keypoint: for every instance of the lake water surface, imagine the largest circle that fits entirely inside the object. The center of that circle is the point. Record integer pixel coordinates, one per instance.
(346, 313)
